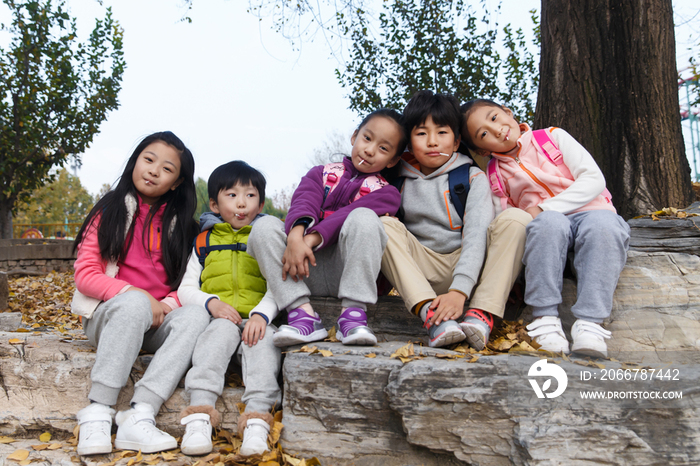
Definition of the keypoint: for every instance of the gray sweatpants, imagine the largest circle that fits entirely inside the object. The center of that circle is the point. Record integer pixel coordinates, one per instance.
(260, 366)
(347, 270)
(599, 240)
(121, 327)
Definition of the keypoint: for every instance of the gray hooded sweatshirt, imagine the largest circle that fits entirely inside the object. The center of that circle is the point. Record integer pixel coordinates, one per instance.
(432, 218)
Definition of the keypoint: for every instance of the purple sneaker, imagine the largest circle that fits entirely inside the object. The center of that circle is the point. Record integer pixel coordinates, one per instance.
(300, 328)
(353, 329)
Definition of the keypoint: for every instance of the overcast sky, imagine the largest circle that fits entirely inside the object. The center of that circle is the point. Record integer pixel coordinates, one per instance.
(232, 88)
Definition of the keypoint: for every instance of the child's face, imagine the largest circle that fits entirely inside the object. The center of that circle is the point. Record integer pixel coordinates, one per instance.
(429, 143)
(374, 145)
(493, 129)
(156, 172)
(238, 205)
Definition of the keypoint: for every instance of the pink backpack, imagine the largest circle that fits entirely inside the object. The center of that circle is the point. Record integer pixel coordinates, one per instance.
(544, 145)
(333, 172)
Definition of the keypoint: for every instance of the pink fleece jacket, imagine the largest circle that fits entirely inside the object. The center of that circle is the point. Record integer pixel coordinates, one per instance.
(140, 268)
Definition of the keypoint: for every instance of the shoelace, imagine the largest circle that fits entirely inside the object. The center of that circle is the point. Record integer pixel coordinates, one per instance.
(95, 427)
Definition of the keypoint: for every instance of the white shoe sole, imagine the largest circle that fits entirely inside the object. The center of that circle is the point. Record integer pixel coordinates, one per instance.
(136, 446)
(95, 450)
(196, 450)
(588, 351)
(359, 339)
(283, 339)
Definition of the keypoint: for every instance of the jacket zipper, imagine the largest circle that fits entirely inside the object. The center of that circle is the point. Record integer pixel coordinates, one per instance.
(534, 178)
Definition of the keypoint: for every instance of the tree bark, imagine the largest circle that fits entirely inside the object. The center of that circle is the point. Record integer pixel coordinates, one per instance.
(608, 77)
(6, 218)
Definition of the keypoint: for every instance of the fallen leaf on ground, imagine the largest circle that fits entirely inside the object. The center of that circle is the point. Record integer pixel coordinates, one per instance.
(326, 353)
(371, 355)
(45, 437)
(18, 455)
(6, 440)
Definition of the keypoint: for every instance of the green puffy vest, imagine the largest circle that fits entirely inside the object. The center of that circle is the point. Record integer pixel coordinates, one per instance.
(234, 276)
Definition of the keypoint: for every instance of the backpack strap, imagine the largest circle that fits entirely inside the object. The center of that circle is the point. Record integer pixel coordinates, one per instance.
(201, 245)
(203, 248)
(552, 152)
(458, 180)
(496, 182)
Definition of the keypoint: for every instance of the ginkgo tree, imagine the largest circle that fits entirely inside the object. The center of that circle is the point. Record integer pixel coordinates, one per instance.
(55, 91)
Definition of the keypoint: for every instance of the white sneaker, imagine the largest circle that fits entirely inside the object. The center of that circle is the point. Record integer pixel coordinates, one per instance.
(95, 435)
(255, 437)
(197, 438)
(589, 339)
(138, 431)
(547, 332)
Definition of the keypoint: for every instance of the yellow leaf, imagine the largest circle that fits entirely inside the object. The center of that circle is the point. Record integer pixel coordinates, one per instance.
(291, 460)
(212, 458)
(45, 437)
(241, 408)
(404, 352)
(269, 463)
(41, 446)
(18, 455)
(22, 330)
(270, 456)
(371, 355)
(6, 440)
(331, 335)
(16, 341)
(54, 446)
(313, 462)
(306, 349)
(168, 456)
(276, 432)
(326, 353)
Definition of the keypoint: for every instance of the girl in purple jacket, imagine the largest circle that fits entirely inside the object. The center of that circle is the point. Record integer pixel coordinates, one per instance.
(333, 225)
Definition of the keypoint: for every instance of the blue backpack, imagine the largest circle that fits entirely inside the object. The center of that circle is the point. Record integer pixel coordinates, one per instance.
(458, 180)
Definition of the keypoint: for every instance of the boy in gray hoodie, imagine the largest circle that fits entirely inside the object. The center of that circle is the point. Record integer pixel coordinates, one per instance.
(434, 255)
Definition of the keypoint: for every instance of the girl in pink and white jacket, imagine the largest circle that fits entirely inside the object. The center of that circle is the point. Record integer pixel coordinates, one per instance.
(132, 253)
(552, 177)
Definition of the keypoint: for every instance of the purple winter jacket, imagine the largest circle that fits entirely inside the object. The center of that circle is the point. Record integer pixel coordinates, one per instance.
(307, 199)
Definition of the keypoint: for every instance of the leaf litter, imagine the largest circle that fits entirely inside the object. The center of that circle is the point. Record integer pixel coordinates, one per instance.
(45, 304)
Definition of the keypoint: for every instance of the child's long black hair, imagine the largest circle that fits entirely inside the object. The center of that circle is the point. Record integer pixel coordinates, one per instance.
(180, 204)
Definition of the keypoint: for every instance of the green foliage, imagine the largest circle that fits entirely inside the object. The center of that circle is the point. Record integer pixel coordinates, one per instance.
(63, 200)
(54, 94)
(202, 198)
(270, 209)
(439, 45)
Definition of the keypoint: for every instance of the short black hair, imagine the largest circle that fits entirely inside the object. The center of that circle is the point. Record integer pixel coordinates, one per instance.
(230, 174)
(442, 108)
(467, 109)
(394, 116)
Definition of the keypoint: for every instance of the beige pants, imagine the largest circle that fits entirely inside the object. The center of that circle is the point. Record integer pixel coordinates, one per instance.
(504, 261)
(420, 274)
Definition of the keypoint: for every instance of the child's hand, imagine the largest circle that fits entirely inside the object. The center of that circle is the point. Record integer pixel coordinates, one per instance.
(448, 306)
(221, 310)
(297, 256)
(156, 307)
(254, 330)
(534, 211)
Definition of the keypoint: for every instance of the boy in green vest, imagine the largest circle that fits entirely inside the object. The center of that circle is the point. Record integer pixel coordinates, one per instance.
(223, 278)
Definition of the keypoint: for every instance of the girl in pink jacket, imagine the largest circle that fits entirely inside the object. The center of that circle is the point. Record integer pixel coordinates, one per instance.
(548, 174)
(132, 254)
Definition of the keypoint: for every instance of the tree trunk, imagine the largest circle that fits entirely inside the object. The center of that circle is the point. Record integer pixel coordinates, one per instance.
(6, 218)
(608, 77)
